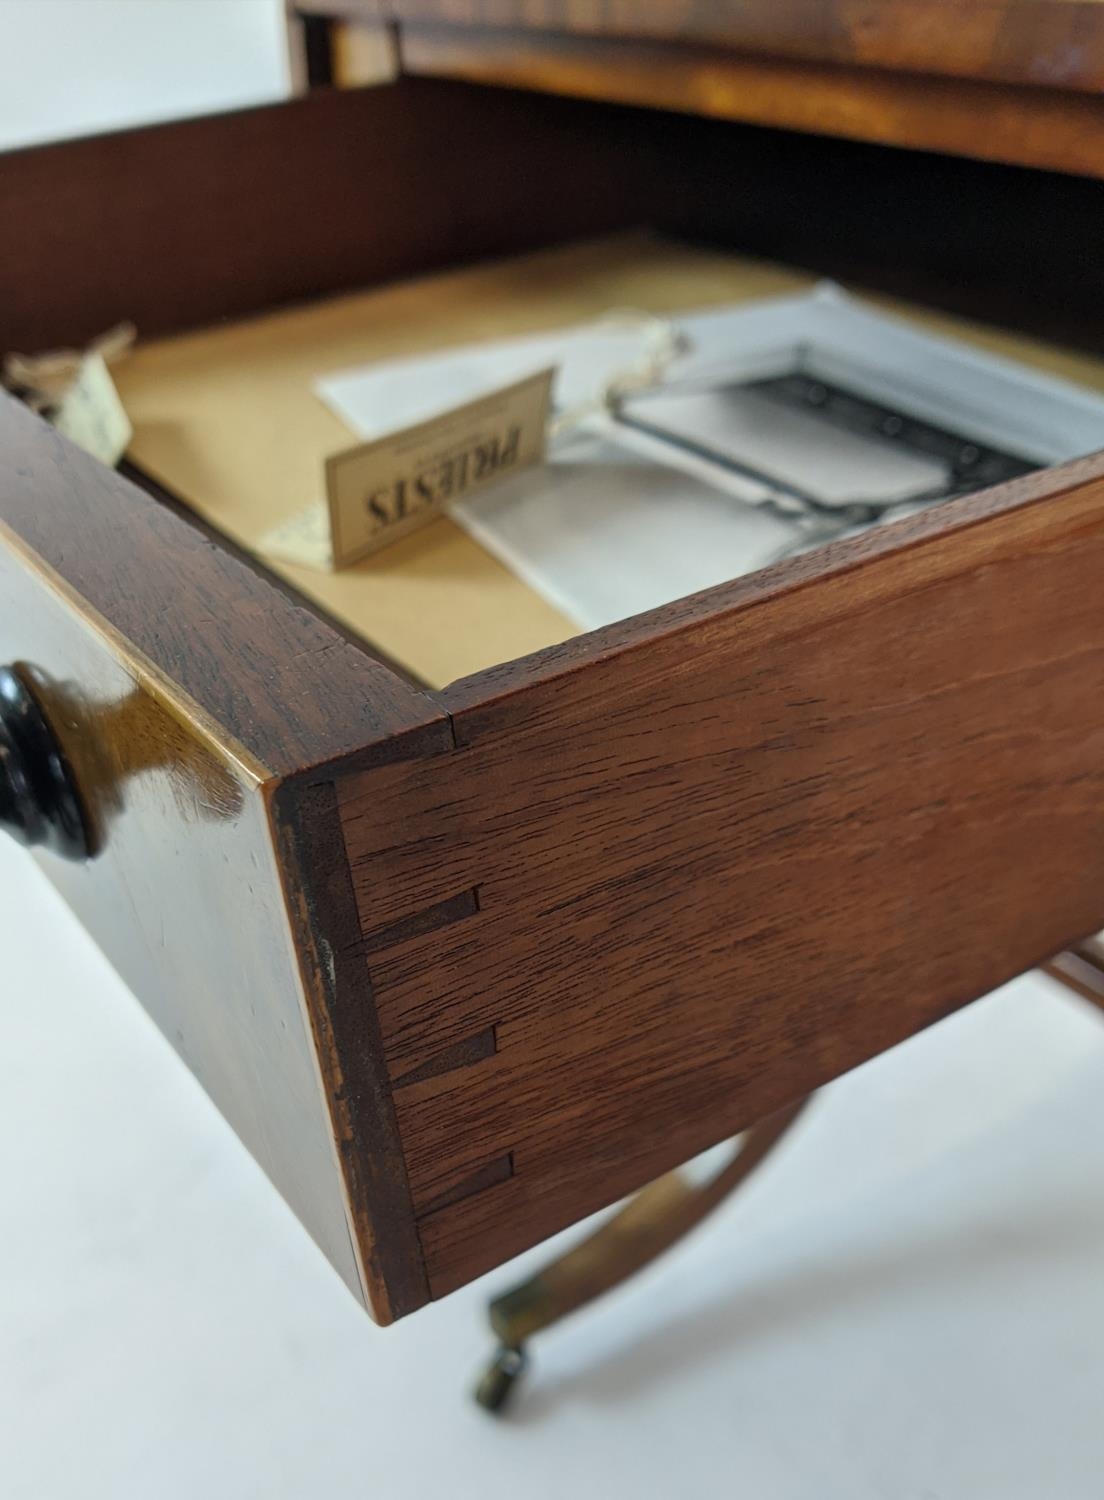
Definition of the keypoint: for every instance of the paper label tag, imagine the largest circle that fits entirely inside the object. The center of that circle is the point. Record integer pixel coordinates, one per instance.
(384, 490)
(91, 415)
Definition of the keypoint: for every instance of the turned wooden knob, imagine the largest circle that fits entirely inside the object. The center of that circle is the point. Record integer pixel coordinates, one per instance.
(39, 803)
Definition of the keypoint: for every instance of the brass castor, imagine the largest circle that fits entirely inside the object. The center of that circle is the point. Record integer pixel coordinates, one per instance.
(496, 1385)
(653, 1221)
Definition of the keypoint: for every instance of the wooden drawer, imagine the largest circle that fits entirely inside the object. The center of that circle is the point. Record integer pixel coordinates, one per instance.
(462, 965)
(1013, 80)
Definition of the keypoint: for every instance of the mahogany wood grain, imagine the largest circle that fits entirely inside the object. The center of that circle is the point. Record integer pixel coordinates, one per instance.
(178, 225)
(184, 895)
(1034, 126)
(200, 852)
(282, 683)
(461, 967)
(729, 850)
(348, 188)
(1055, 43)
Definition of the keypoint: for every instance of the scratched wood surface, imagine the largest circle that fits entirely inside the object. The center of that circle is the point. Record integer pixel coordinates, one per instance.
(680, 872)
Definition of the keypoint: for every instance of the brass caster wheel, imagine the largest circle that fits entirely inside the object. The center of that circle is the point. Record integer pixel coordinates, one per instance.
(657, 1218)
(496, 1385)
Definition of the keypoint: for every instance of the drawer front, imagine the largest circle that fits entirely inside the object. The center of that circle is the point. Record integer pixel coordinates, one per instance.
(676, 874)
(186, 689)
(183, 892)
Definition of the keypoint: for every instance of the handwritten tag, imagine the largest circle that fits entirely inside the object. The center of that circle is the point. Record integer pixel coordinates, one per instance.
(90, 413)
(381, 491)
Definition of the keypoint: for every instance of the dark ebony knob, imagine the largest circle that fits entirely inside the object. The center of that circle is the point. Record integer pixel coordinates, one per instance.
(39, 803)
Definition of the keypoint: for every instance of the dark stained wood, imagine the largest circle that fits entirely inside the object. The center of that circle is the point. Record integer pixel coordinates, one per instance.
(1057, 43)
(178, 225)
(1030, 126)
(249, 685)
(731, 849)
(184, 779)
(278, 680)
(460, 968)
(306, 198)
(184, 895)
(933, 229)
(346, 1034)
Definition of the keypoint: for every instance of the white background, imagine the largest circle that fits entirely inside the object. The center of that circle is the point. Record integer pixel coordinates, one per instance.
(75, 67)
(907, 1304)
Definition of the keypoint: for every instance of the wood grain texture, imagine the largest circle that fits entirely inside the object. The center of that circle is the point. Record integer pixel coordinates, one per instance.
(219, 893)
(288, 688)
(208, 219)
(554, 967)
(731, 849)
(345, 1030)
(1033, 126)
(184, 896)
(179, 225)
(1056, 43)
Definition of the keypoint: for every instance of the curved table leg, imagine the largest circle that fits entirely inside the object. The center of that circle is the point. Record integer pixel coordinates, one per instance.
(660, 1215)
(650, 1223)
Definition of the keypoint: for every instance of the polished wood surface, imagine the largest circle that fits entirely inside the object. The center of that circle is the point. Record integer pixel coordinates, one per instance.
(1032, 126)
(178, 225)
(301, 201)
(283, 685)
(1056, 43)
(726, 851)
(461, 966)
(184, 895)
(199, 896)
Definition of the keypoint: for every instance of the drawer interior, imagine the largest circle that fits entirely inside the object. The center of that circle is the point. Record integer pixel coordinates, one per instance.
(343, 229)
(227, 419)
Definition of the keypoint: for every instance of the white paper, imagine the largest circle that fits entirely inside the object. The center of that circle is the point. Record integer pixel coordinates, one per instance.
(91, 415)
(618, 522)
(603, 531)
(377, 399)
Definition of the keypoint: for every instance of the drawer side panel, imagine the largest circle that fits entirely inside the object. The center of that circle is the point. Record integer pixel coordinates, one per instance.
(656, 892)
